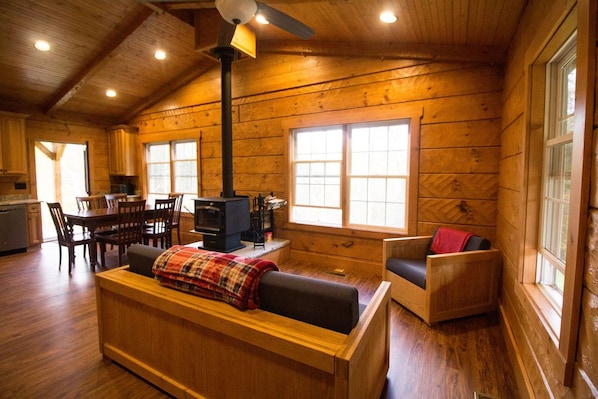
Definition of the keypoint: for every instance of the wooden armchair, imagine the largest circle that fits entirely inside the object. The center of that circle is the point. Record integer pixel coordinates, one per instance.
(447, 285)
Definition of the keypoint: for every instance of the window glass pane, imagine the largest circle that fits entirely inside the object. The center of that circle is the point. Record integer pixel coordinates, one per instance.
(185, 150)
(556, 201)
(569, 78)
(395, 214)
(159, 153)
(318, 144)
(396, 191)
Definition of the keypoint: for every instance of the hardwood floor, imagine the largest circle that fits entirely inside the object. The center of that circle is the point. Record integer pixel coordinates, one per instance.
(49, 341)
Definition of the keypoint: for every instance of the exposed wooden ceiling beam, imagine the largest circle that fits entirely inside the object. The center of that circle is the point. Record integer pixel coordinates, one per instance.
(97, 63)
(432, 52)
(178, 82)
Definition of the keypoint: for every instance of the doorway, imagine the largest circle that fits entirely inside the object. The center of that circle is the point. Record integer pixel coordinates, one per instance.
(62, 173)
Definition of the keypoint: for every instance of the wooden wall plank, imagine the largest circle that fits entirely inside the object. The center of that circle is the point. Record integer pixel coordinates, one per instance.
(453, 185)
(460, 160)
(464, 212)
(479, 133)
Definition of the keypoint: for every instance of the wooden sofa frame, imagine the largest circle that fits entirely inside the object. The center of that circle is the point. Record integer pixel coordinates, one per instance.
(457, 284)
(195, 347)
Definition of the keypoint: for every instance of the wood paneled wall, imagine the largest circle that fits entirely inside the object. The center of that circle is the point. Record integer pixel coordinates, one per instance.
(460, 137)
(539, 359)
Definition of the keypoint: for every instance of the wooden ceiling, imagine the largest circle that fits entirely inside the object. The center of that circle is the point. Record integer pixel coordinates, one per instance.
(101, 44)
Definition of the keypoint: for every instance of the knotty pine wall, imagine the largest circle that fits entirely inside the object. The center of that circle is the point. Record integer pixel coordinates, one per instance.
(460, 109)
(537, 353)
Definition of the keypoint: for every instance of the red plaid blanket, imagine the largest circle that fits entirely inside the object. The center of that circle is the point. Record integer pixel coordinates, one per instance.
(229, 278)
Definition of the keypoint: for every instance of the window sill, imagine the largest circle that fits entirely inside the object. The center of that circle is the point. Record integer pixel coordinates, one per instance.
(545, 311)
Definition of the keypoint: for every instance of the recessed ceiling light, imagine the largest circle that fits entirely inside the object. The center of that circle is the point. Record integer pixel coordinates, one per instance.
(42, 45)
(388, 17)
(160, 54)
(111, 93)
(261, 19)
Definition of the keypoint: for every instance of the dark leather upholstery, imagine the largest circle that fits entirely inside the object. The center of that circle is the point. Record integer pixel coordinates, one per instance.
(413, 270)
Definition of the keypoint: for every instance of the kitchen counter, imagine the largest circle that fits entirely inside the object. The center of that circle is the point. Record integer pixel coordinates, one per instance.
(19, 202)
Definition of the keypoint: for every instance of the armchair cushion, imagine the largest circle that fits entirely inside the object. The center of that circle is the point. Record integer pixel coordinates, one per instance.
(413, 270)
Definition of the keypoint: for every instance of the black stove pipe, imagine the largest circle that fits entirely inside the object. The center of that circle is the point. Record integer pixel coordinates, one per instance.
(226, 56)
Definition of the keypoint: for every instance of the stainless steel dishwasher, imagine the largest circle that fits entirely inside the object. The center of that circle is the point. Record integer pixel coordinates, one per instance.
(13, 228)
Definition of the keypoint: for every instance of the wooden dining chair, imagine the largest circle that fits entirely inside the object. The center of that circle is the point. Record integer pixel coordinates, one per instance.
(112, 200)
(160, 227)
(176, 217)
(129, 229)
(66, 236)
(91, 202)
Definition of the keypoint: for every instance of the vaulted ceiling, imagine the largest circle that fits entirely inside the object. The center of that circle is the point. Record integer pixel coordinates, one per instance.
(102, 44)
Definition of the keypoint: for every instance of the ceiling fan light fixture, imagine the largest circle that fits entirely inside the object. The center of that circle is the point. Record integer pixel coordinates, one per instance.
(259, 18)
(388, 17)
(236, 11)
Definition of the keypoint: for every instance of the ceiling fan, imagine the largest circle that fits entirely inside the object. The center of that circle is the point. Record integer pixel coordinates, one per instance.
(240, 12)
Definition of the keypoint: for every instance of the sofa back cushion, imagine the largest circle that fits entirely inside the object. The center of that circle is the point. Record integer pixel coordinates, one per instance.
(322, 303)
(141, 259)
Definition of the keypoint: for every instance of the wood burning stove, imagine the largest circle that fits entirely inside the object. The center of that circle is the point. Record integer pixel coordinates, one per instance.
(221, 221)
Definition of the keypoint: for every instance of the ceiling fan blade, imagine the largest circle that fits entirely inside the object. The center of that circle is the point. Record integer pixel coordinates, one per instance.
(284, 21)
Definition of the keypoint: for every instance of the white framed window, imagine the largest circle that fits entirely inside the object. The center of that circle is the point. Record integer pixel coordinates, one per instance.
(556, 176)
(172, 167)
(352, 175)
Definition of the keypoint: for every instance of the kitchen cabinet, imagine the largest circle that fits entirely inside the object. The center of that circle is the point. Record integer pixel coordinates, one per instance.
(122, 151)
(13, 147)
(34, 224)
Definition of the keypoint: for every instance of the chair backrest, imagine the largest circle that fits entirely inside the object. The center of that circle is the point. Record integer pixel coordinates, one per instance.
(63, 229)
(91, 202)
(112, 200)
(466, 241)
(176, 217)
(163, 215)
(131, 217)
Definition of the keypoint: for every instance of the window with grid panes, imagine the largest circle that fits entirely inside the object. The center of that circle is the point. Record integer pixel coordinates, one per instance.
(353, 175)
(172, 167)
(558, 146)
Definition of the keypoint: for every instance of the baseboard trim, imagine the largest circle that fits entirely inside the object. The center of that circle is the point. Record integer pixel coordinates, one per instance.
(523, 383)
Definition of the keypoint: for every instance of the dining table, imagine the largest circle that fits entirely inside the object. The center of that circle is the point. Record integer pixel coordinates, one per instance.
(93, 219)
